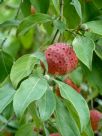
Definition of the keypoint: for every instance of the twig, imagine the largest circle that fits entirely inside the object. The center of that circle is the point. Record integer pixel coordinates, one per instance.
(56, 33)
(60, 18)
(92, 104)
(18, 9)
(68, 30)
(61, 9)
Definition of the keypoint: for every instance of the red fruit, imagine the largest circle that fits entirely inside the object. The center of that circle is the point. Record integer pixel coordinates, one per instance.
(58, 91)
(74, 86)
(61, 59)
(55, 134)
(71, 83)
(95, 117)
(33, 10)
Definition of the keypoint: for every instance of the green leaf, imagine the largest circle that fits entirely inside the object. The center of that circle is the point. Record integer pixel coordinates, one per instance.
(98, 51)
(84, 47)
(34, 113)
(27, 39)
(76, 76)
(98, 3)
(3, 120)
(88, 131)
(12, 46)
(70, 14)
(77, 6)
(30, 21)
(89, 10)
(47, 105)
(98, 48)
(31, 89)
(71, 109)
(6, 96)
(77, 102)
(1, 1)
(6, 62)
(56, 4)
(64, 121)
(26, 130)
(26, 8)
(22, 68)
(93, 36)
(94, 26)
(94, 77)
(41, 57)
(9, 23)
(8, 112)
(59, 25)
(41, 6)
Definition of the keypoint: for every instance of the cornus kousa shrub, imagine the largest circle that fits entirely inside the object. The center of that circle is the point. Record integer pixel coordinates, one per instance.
(50, 68)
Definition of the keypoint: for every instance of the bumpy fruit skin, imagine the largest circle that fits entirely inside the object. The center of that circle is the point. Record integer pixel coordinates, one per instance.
(95, 117)
(71, 83)
(55, 134)
(61, 59)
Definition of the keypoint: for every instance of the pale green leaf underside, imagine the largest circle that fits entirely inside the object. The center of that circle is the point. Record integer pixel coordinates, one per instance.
(30, 90)
(6, 96)
(22, 68)
(47, 105)
(64, 121)
(78, 103)
(94, 26)
(84, 47)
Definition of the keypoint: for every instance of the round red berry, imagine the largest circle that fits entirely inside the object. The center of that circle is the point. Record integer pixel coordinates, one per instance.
(95, 117)
(61, 59)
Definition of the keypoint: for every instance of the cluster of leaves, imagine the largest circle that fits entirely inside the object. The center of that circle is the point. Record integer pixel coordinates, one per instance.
(28, 103)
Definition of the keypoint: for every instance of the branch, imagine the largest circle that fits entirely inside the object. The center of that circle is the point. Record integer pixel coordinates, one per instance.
(61, 9)
(60, 18)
